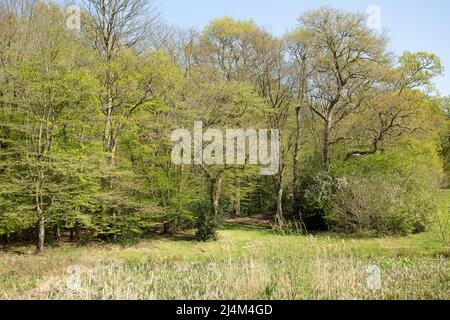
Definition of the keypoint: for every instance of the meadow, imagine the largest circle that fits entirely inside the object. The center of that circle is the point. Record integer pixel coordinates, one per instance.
(98, 197)
(245, 263)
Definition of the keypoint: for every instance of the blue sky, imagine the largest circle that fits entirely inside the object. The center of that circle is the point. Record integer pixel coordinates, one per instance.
(413, 25)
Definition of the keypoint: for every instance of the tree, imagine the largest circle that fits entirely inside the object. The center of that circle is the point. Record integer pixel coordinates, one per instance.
(347, 57)
(44, 82)
(270, 81)
(396, 107)
(116, 30)
(445, 105)
(217, 104)
(223, 54)
(300, 70)
(87, 116)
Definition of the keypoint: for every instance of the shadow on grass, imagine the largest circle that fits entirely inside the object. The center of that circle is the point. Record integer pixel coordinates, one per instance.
(243, 226)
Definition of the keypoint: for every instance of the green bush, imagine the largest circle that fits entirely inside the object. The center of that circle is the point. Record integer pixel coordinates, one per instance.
(387, 194)
(316, 194)
(379, 206)
(207, 222)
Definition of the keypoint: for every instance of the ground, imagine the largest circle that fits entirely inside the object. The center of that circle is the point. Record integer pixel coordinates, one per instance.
(248, 261)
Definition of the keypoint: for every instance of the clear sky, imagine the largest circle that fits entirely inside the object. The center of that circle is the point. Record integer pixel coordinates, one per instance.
(413, 25)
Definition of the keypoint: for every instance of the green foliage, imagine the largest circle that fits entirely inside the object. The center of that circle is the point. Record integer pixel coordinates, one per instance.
(387, 194)
(85, 126)
(419, 68)
(445, 140)
(207, 222)
(316, 196)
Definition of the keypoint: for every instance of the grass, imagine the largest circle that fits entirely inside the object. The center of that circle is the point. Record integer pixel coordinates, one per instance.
(243, 264)
(246, 263)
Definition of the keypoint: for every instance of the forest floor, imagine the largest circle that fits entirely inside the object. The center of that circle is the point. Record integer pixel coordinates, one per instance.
(248, 261)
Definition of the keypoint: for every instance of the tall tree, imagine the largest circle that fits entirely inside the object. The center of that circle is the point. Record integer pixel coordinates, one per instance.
(347, 56)
(395, 108)
(117, 31)
(114, 28)
(45, 83)
(224, 53)
(300, 69)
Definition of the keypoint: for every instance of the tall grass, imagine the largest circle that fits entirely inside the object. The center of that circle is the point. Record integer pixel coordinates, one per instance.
(241, 265)
(322, 277)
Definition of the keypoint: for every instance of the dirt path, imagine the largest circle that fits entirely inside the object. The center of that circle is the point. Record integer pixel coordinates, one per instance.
(260, 221)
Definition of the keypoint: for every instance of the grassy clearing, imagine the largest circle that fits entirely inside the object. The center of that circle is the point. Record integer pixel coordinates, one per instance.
(244, 264)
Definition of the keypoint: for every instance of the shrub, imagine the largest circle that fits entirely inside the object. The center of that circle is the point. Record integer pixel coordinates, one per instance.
(379, 206)
(316, 194)
(387, 194)
(207, 222)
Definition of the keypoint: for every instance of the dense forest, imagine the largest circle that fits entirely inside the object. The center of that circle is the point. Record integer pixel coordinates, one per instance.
(86, 117)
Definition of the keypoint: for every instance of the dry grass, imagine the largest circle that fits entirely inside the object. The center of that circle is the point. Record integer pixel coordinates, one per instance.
(319, 278)
(243, 264)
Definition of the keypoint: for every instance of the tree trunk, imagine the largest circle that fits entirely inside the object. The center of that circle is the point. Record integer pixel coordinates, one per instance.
(296, 168)
(77, 231)
(57, 233)
(40, 225)
(110, 138)
(298, 134)
(215, 194)
(279, 219)
(261, 200)
(238, 198)
(326, 146)
(41, 233)
(279, 215)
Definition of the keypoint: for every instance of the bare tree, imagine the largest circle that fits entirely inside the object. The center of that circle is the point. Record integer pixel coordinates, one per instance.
(300, 69)
(346, 57)
(269, 74)
(112, 26)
